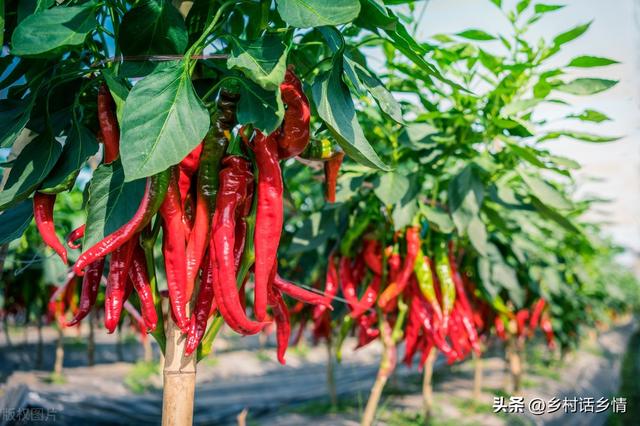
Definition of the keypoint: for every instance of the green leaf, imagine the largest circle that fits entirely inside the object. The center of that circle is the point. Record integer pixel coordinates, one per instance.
(14, 221)
(478, 235)
(52, 31)
(335, 107)
(522, 5)
(317, 13)
(375, 87)
(153, 27)
(439, 217)
(591, 61)
(391, 187)
(159, 134)
(30, 168)
(79, 145)
(14, 116)
(119, 91)
(570, 35)
(519, 106)
(475, 34)
(465, 197)
(264, 60)
(403, 213)
(261, 108)
(1, 22)
(112, 201)
(586, 86)
(546, 192)
(545, 8)
(526, 153)
(586, 137)
(590, 115)
(555, 216)
(497, 3)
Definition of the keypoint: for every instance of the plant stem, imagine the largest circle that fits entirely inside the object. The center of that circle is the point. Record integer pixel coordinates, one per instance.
(427, 385)
(387, 365)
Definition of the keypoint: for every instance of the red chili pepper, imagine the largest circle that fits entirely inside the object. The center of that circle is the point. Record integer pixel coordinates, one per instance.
(43, 214)
(426, 346)
(74, 236)
(90, 286)
(173, 248)
(331, 172)
(108, 125)
(400, 283)
(537, 312)
(116, 284)
(368, 298)
(411, 331)
(347, 282)
(202, 308)
(154, 194)
(521, 319)
(269, 217)
(241, 223)
(294, 135)
(425, 317)
(367, 329)
(500, 328)
(140, 280)
(283, 323)
(372, 257)
(233, 177)
(300, 293)
(545, 324)
(330, 289)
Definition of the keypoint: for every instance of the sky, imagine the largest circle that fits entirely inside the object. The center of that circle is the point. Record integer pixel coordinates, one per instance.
(610, 171)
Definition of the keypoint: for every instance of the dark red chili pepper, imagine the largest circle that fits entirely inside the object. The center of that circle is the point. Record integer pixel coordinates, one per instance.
(330, 288)
(293, 137)
(241, 223)
(521, 319)
(202, 308)
(368, 298)
(411, 332)
(213, 148)
(331, 172)
(154, 194)
(347, 282)
(140, 281)
(116, 284)
(372, 257)
(74, 236)
(299, 293)
(108, 125)
(400, 283)
(269, 217)
(233, 177)
(537, 312)
(283, 323)
(43, 214)
(173, 248)
(89, 293)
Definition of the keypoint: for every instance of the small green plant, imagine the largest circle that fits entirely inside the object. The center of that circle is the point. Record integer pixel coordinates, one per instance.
(139, 379)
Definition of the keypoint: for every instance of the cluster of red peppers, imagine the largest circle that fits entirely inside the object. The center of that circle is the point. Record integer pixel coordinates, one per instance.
(524, 322)
(221, 214)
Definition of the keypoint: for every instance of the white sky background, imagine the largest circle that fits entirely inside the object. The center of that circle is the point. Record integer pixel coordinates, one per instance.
(610, 170)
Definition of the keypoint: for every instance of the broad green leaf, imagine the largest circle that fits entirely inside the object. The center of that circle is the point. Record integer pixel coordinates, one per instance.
(439, 217)
(555, 216)
(570, 35)
(317, 13)
(112, 201)
(119, 91)
(586, 137)
(565, 162)
(477, 232)
(522, 5)
(264, 61)
(159, 134)
(526, 153)
(586, 86)
(475, 34)
(519, 106)
(465, 197)
(30, 168)
(391, 187)
(545, 8)
(591, 61)
(375, 87)
(261, 108)
(14, 116)
(53, 30)
(590, 115)
(546, 192)
(335, 107)
(79, 145)
(15, 220)
(403, 213)
(497, 3)
(153, 27)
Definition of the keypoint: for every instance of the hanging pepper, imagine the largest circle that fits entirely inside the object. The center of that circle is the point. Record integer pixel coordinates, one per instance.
(89, 293)
(233, 177)
(521, 320)
(411, 332)
(108, 125)
(154, 193)
(74, 236)
(331, 172)
(241, 220)
(347, 282)
(372, 257)
(330, 289)
(424, 276)
(283, 323)
(116, 284)
(213, 148)
(368, 298)
(537, 312)
(140, 281)
(293, 137)
(43, 214)
(300, 293)
(400, 283)
(545, 324)
(204, 301)
(173, 249)
(447, 285)
(500, 328)
(269, 217)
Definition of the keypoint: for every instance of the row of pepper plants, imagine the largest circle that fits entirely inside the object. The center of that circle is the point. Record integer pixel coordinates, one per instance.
(247, 145)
